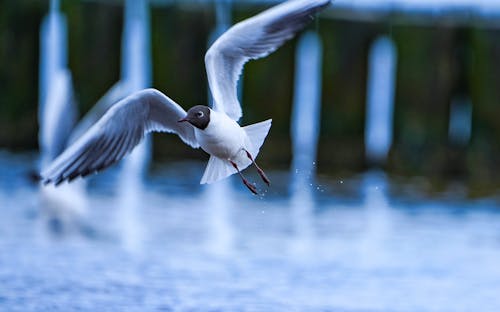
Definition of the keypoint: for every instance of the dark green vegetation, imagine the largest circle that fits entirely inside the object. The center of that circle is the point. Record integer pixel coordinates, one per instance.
(434, 64)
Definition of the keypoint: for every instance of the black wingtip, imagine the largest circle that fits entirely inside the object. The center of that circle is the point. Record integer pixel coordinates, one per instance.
(34, 176)
(72, 177)
(46, 182)
(57, 181)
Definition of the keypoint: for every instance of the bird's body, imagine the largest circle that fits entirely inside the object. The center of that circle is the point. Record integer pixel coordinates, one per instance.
(223, 137)
(232, 148)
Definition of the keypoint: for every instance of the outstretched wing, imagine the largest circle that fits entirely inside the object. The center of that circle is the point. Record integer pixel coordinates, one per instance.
(253, 38)
(117, 92)
(117, 133)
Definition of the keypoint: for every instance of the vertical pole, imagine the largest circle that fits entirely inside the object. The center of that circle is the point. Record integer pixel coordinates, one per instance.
(221, 232)
(305, 124)
(460, 124)
(136, 70)
(136, 74)
(380, 100)
(305, 119)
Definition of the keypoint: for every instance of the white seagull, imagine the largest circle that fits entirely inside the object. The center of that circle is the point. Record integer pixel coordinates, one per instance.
(232, 148)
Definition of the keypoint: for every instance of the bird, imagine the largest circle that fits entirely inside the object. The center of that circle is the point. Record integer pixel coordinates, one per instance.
(232, 148)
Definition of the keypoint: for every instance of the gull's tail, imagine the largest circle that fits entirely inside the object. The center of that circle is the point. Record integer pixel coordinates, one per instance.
(218, 169)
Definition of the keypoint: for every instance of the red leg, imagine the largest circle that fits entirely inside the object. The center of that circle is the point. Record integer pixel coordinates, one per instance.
(259, 170)
(250, 186)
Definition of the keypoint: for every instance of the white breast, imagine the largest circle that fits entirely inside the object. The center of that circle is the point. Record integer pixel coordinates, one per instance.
(223, 137)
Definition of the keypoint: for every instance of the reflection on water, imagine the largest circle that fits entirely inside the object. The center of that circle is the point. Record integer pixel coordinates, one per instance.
(220, 232)
(378, 251)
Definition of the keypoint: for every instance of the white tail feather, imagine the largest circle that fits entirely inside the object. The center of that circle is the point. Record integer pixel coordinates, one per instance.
(218, 169)
(257, 134)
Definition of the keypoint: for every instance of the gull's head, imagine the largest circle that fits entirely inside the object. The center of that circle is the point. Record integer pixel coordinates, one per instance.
(198, 116)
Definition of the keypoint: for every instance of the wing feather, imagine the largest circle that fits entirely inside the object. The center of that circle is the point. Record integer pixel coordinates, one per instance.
(120, 129)
(253, 38)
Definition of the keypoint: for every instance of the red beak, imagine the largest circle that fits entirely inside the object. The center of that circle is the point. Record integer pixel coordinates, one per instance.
(182, 120)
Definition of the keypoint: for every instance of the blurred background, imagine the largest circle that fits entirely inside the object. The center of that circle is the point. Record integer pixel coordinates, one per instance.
(439, 58)
(382, 158)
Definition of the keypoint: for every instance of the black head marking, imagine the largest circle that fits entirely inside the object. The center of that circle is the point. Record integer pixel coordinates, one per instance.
(199, 116)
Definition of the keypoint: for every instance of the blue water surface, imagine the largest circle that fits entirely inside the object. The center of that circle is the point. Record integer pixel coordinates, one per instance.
(173, 245)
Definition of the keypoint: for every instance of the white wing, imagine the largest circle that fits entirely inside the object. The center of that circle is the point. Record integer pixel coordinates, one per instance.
(117, 133)
(253, 38)
(117, 92)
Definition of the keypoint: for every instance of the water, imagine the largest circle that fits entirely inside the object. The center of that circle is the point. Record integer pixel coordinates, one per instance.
(371, 249)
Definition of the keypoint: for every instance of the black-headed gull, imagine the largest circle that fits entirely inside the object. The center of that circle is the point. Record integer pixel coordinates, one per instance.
(232, 148)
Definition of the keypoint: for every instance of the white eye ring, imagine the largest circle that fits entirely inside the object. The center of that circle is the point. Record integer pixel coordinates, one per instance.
(200, 114)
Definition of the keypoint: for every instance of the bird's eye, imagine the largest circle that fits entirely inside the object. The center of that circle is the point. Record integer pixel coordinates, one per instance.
(199, 114)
